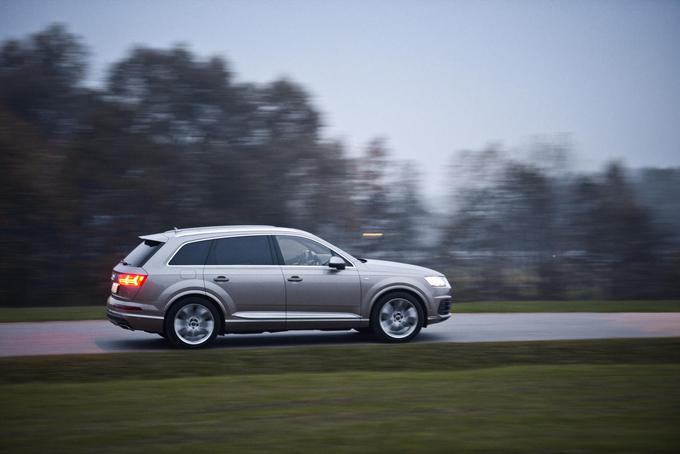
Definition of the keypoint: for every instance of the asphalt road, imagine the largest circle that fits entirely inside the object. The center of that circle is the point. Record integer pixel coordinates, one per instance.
(54, 338)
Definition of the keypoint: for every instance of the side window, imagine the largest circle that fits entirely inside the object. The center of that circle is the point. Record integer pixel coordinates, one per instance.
(241, 250)
(194, 253)
(301, 251)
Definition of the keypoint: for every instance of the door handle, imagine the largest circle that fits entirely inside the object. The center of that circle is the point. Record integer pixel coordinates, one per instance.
(295, 279)
(221, 279)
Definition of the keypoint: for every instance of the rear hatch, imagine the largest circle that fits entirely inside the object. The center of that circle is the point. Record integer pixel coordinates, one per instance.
(129, 275)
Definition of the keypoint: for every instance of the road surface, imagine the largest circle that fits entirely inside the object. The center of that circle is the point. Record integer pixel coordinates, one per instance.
(95, 336)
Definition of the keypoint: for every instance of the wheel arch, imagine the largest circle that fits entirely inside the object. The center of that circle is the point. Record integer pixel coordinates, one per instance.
(401, 289)
(196, 294)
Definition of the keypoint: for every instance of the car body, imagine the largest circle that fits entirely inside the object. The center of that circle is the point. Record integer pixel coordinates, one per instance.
(191, 285)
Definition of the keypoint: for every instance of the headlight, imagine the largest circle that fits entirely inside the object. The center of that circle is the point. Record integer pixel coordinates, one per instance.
(437, 281)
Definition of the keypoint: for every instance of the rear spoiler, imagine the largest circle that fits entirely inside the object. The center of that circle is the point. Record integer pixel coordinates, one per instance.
(155, 237)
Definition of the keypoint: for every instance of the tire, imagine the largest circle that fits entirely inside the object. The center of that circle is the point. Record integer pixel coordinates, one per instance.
(397, 317)
(192, 323)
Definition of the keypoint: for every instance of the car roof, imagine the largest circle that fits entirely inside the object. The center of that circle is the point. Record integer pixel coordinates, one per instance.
(219, 229)
(216, 231)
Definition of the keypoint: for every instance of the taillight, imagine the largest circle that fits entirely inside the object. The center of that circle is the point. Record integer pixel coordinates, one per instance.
(131, 280)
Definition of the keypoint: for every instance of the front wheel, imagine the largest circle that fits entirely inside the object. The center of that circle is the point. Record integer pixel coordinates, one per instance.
(397, 317)
(192, 323)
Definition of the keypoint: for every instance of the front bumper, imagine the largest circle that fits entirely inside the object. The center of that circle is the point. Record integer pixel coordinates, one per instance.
(131, 316)
(432, 319)
(442, 305)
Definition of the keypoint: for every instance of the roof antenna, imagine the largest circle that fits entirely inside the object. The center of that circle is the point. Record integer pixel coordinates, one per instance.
(175, 229)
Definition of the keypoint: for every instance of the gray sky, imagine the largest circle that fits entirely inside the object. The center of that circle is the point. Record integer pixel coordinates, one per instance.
(432, 77)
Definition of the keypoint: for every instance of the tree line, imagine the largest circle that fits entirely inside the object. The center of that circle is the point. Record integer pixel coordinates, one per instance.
(173, 139)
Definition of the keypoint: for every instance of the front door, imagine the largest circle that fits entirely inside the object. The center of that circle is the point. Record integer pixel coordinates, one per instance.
(317, 295)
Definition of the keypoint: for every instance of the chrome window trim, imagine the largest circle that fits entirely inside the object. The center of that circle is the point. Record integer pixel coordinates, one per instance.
(236, 266)
(167, 263)
(331, 247)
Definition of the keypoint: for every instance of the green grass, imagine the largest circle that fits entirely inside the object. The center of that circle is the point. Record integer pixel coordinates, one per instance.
(577, 408)
(568, 306)
(41, 314)
(618, 396)
(44, 314)
(418, 357)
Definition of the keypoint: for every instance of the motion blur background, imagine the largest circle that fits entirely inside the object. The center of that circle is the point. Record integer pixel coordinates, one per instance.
(528, 150)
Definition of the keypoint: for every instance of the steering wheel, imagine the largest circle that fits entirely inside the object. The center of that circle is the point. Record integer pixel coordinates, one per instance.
(310, 258)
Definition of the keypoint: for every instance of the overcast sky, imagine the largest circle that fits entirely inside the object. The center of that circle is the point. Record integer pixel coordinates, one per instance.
(432, 77)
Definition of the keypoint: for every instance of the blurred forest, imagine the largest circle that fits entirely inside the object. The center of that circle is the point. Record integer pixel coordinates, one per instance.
(173, 139)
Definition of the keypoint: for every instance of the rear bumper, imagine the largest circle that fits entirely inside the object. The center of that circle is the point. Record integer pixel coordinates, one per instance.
(120, 314)
(118, 321)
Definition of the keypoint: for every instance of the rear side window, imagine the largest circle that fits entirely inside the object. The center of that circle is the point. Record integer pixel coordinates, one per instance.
(194, 253)
(142, 253)
(241, 250)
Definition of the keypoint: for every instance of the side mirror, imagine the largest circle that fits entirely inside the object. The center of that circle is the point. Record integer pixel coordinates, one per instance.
(337, 263)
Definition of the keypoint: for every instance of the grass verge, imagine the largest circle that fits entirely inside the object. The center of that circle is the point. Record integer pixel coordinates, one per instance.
(45, 314)
(577, 396)
(322, 359)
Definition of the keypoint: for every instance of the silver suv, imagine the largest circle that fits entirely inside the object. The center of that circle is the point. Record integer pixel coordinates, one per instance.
(191, 285)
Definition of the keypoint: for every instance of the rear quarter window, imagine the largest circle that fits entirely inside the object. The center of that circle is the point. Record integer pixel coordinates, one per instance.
(195, 253)
(142, 253)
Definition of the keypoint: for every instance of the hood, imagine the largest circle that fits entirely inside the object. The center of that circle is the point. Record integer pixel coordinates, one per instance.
(396, 268)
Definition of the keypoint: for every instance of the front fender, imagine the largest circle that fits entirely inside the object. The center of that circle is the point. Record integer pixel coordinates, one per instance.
(389, 284)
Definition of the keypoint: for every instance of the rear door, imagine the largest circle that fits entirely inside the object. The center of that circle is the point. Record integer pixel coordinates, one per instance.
(242, 271)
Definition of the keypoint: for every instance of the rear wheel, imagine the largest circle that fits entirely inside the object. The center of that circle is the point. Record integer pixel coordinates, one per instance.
(397, 317)
(192, 323)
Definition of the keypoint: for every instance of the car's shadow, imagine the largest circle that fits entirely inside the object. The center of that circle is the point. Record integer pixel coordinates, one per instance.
(150, 342)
